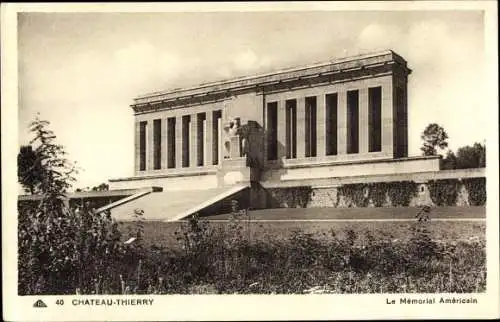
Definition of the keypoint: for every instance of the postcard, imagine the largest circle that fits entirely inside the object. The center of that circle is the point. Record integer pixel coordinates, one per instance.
(250, 161)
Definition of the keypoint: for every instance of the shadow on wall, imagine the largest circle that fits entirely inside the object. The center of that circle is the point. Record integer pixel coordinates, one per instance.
(226, 205)
(254, 137)
(265, 151)
(274, 152)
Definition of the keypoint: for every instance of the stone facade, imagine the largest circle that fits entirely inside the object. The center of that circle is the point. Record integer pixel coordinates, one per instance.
(342, 118)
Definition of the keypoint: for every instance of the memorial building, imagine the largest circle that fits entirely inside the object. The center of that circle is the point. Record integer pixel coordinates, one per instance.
(321, 125)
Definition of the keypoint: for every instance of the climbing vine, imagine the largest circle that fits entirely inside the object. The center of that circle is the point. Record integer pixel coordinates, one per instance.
(444, 192)
(377, 193)
(401, 193)
(355, 194)
(476, 188)
(291, 197)
(395, 194)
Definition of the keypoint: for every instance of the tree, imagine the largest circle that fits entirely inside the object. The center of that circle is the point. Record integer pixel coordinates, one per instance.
(449, 162)
(471, 156)
(434, 137)
(56, 172)
(102, 187)
(61, 249)
(29, 169)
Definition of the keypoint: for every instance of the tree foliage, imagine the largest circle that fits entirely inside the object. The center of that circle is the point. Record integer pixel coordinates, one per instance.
(63, 250)
(471, 156)
(449, 162)
(467, 157)
(56, 173)
(434, 137)
(102, 187)
(29, 169)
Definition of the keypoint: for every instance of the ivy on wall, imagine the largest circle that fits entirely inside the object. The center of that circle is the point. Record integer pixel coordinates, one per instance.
(395, 194)
(401, 193)
(378, 193)
(476, 187)
(355, 193)
(444, 192)
(291, 197)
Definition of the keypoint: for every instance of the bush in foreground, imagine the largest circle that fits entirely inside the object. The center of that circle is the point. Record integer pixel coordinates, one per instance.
(224, 260)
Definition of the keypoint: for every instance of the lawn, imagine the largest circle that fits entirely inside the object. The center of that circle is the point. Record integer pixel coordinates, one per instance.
(163, 233)
(360, 213)
(283, 256)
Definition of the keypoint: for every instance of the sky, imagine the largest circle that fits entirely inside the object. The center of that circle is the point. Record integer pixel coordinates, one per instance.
(81, 71)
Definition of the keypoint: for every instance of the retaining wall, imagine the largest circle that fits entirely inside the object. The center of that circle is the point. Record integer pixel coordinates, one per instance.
(444, 192)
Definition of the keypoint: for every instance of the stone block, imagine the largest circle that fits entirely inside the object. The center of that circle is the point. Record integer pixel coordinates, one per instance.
(235, 147)
(323, 197)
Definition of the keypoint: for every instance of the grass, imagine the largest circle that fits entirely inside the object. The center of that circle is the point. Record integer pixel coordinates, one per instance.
(163, 233)
(248, 256)
(241, 257)
(360, 213)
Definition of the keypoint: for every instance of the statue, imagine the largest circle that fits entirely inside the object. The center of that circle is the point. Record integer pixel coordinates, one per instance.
(236, 138)
(234, 126)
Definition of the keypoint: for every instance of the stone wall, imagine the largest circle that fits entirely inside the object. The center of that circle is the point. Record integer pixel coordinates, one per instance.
(451, 192)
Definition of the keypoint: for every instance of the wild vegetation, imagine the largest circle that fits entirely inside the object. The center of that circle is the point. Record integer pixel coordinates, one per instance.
(225, 259)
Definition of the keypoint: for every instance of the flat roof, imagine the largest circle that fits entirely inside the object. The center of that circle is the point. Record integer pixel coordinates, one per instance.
(322, 68)
(95, 194)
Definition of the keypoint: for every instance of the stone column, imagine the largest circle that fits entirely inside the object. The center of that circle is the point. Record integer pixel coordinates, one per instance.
(219, 141)
(178, 142)
(301, 127)
(150, 145)
(342, 123)
(193, 141)
(137, 150)
(209, 120)
(320, 126)
(163, 143)
(363, 120)
(387, 118)
(281, 128)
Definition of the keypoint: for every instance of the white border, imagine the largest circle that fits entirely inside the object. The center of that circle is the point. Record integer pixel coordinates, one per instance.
(253, 307)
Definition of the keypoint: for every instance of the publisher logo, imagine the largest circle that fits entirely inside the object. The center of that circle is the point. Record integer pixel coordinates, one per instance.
(39, 303)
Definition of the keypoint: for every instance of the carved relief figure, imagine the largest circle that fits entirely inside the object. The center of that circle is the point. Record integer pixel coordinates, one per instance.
(230, 129)
(233, 128)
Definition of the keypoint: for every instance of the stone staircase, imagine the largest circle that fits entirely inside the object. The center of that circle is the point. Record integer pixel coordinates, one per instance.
(173, 205)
